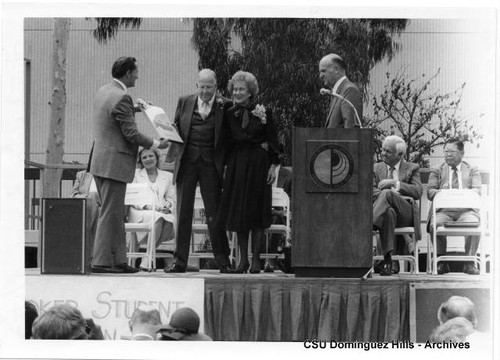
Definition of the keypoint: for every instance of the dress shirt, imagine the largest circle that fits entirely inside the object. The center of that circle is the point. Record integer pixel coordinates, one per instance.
(395, 174)
(121, 84)
(459, 174)
(337, 84)
(204, 108)
(142, 335)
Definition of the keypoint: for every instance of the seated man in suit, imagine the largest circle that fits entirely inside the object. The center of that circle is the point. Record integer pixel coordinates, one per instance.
(394, 179)
(84, 187)
(454, 174)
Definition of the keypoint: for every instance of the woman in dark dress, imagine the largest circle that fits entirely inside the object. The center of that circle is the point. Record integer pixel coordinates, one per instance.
(253, 156)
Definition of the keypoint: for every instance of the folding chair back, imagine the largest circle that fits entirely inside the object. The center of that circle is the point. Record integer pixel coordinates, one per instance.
(140, 194)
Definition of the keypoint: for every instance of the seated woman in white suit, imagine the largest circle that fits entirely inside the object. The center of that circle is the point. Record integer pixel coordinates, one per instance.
(161, 184)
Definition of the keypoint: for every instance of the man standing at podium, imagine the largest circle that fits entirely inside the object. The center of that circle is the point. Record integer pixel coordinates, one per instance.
(346, 106)
(112, 162)
(393, 180)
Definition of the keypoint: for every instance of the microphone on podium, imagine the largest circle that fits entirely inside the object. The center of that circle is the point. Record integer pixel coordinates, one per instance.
(324, 91)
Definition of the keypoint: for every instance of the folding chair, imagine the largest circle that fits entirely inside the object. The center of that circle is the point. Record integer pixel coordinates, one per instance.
(199, 226)
(454, 198)
(140, 194)
(412, 260)
(280, 200)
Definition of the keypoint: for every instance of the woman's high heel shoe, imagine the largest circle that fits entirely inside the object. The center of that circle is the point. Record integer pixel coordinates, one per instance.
(242, 268)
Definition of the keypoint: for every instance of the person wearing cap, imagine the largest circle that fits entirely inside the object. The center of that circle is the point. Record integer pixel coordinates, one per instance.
(144, 323)
(184, 325)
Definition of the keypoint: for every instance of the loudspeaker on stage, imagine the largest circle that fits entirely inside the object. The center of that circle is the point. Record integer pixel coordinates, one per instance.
(65, 247)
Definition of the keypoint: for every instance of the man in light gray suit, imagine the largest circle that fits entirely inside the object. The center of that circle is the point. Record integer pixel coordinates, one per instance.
(394, 179)
(346, 106)
(85, 187)
(454, 174)
(113, 162)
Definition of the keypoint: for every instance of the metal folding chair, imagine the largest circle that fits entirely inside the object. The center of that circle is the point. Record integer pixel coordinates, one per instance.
(454, 198)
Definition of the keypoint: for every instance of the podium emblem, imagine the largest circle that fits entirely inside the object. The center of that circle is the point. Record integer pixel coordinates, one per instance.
(332, 167)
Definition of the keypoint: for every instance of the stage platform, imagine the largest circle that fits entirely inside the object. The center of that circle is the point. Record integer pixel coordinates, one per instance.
(280, 307)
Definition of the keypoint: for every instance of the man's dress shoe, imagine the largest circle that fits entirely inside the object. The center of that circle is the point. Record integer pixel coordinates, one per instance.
(175, 269)
(443, 268)
(471, 269)
(127, 269)
(386, 269)
(96, 269)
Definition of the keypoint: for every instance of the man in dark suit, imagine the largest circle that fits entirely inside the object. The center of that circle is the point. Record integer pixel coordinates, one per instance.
(393, 179)
(454, 174)
(200, 158)
(346, 106)
(113, 161)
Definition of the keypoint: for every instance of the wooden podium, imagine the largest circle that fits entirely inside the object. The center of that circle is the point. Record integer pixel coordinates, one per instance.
(332, 202)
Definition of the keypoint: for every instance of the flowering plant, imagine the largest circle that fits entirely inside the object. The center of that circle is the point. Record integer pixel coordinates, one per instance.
(260, 112)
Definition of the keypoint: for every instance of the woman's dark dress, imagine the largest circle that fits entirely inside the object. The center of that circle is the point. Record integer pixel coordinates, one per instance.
(246, 196)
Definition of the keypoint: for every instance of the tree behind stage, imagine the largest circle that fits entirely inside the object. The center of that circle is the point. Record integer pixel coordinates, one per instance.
(284, 53)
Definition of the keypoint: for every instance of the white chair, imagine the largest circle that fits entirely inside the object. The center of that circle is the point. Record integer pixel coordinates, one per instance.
(465, 199)
(407, 231)
(280, 200)
(140, 194)
(199, 226)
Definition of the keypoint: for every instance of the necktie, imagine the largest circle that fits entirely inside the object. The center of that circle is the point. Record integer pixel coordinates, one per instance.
(454, 178)
(391, 173)
(204, 110)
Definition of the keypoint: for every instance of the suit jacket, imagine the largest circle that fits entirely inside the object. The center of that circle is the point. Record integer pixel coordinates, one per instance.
(285, 180)
(439, 178)
(182, 120)
(116, 138)
(341, 114)
(81, 186)
(410, 185)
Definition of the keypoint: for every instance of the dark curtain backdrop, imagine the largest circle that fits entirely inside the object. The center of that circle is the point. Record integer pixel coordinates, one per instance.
(297, 309)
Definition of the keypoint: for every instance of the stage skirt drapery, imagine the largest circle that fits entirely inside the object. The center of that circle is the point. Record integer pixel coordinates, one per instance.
(291, 309)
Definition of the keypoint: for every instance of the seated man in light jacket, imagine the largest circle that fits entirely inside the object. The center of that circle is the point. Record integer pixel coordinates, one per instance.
(454, 174)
